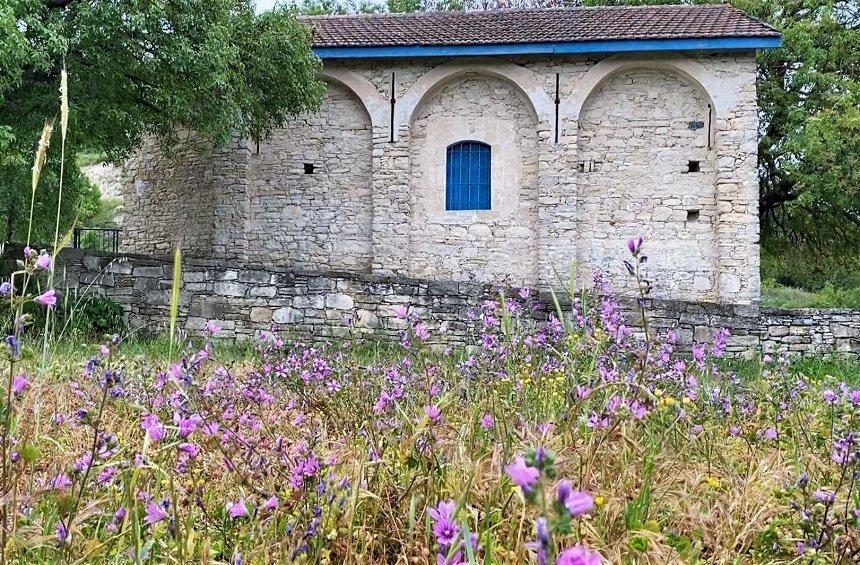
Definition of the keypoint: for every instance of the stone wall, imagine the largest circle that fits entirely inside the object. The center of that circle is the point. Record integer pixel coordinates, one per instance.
(310, 194)
(497, 245)
(576, 171)
(638, 132)
(245, 299)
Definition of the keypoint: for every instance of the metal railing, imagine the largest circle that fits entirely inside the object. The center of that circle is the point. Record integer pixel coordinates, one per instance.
(100, 239)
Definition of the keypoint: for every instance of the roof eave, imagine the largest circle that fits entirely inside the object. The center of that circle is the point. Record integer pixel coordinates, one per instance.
(560, 48)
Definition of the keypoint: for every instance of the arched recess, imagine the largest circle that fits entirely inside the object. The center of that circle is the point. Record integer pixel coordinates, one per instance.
(376, 107)
(721, 91)
(498, 244)
(646, 164)
(524, 80)
(310, 196)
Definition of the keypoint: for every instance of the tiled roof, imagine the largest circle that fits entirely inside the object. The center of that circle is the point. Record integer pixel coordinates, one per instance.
(535, 26)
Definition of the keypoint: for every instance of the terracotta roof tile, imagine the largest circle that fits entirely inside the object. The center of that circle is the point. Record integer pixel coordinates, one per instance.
(535, 26)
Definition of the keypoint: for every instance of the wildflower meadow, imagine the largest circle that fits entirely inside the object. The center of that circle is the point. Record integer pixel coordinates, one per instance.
(573, 440)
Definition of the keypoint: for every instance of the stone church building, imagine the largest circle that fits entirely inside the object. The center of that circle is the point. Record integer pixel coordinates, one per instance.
(495, 147)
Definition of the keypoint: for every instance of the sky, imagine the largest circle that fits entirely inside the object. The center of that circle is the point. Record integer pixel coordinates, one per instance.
(265, 4)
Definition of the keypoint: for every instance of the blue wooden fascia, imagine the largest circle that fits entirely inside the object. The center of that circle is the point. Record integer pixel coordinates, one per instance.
(567, 48)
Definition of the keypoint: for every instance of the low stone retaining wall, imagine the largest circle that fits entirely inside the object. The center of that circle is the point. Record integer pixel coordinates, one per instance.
(245, 299)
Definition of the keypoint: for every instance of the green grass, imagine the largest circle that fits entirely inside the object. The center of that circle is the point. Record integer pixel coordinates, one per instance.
(86, 158)
(775, 295)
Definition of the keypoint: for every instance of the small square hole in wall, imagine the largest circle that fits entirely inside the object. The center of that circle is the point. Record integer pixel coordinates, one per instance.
(693, 166)
(692, 216)
(309, 168)
(580, 167)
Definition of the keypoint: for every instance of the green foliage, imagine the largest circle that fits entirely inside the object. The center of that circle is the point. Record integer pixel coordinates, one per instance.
(96, 316)
(808, 94)
(779, 296)
(139, 68)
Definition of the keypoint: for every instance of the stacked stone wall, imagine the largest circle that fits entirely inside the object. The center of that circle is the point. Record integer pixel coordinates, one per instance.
(247, 299)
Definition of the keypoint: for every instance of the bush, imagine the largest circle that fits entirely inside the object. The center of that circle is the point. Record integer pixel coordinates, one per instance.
(95, 316)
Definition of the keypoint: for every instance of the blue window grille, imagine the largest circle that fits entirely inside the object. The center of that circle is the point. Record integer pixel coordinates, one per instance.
(467, 179)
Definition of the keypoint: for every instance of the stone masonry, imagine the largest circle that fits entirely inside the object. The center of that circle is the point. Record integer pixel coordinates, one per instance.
(247, 299)
(660, 144)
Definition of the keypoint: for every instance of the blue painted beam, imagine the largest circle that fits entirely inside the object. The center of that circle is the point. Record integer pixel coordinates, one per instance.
(567, 48)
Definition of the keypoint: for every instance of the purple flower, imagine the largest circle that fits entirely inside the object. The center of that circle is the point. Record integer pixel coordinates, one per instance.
(5, 289)
(60, 482)
(62, 532)
(401, 312)
(237, 509)
(579, 503)
(154, 513)
(47, 298)
(444, 528)
(188, 449)
(433, 413)
(212, 327)
(578, 555)
(19, 385)
(153, 427)
(270, 504)
(823, 496)
(522, 475)
(43, 262)
(634, 244)
(487, 421)
(563, 492)
(770, 433)
(187, 426)
(829, 396)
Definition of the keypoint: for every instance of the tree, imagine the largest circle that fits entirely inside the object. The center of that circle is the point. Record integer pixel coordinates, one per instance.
(809, 100)
(138, 68)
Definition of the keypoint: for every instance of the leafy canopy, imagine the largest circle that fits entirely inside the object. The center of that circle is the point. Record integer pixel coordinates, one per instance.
(137, 68)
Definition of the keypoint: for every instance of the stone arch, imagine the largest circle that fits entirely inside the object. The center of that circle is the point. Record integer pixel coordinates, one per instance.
(310, 193)
(647, 165)
(720, 91)
(364, 90)
(495, 245)
(524, 80)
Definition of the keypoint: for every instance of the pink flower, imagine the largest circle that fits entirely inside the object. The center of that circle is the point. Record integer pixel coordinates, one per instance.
(212, 327)
(19, 385)
(578, 555)
(444, 528)
(487, 421)
(47, 298)
(43, 262)
(153, 427)
(579, 503)
(433, 413)
(154, 513)
(522, 475)
(237, 509)
(271, 503)
(60, 482)
(400, 312)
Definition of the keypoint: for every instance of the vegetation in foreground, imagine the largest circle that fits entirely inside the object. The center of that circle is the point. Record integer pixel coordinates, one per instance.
(570, 441)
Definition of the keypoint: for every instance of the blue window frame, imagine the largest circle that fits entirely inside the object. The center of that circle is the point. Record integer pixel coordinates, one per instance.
(467, 178)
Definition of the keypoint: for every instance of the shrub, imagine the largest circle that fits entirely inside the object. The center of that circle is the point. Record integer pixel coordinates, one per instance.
(95, 316)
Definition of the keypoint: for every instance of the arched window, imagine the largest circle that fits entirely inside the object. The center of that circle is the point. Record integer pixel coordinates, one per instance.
(467, 178)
